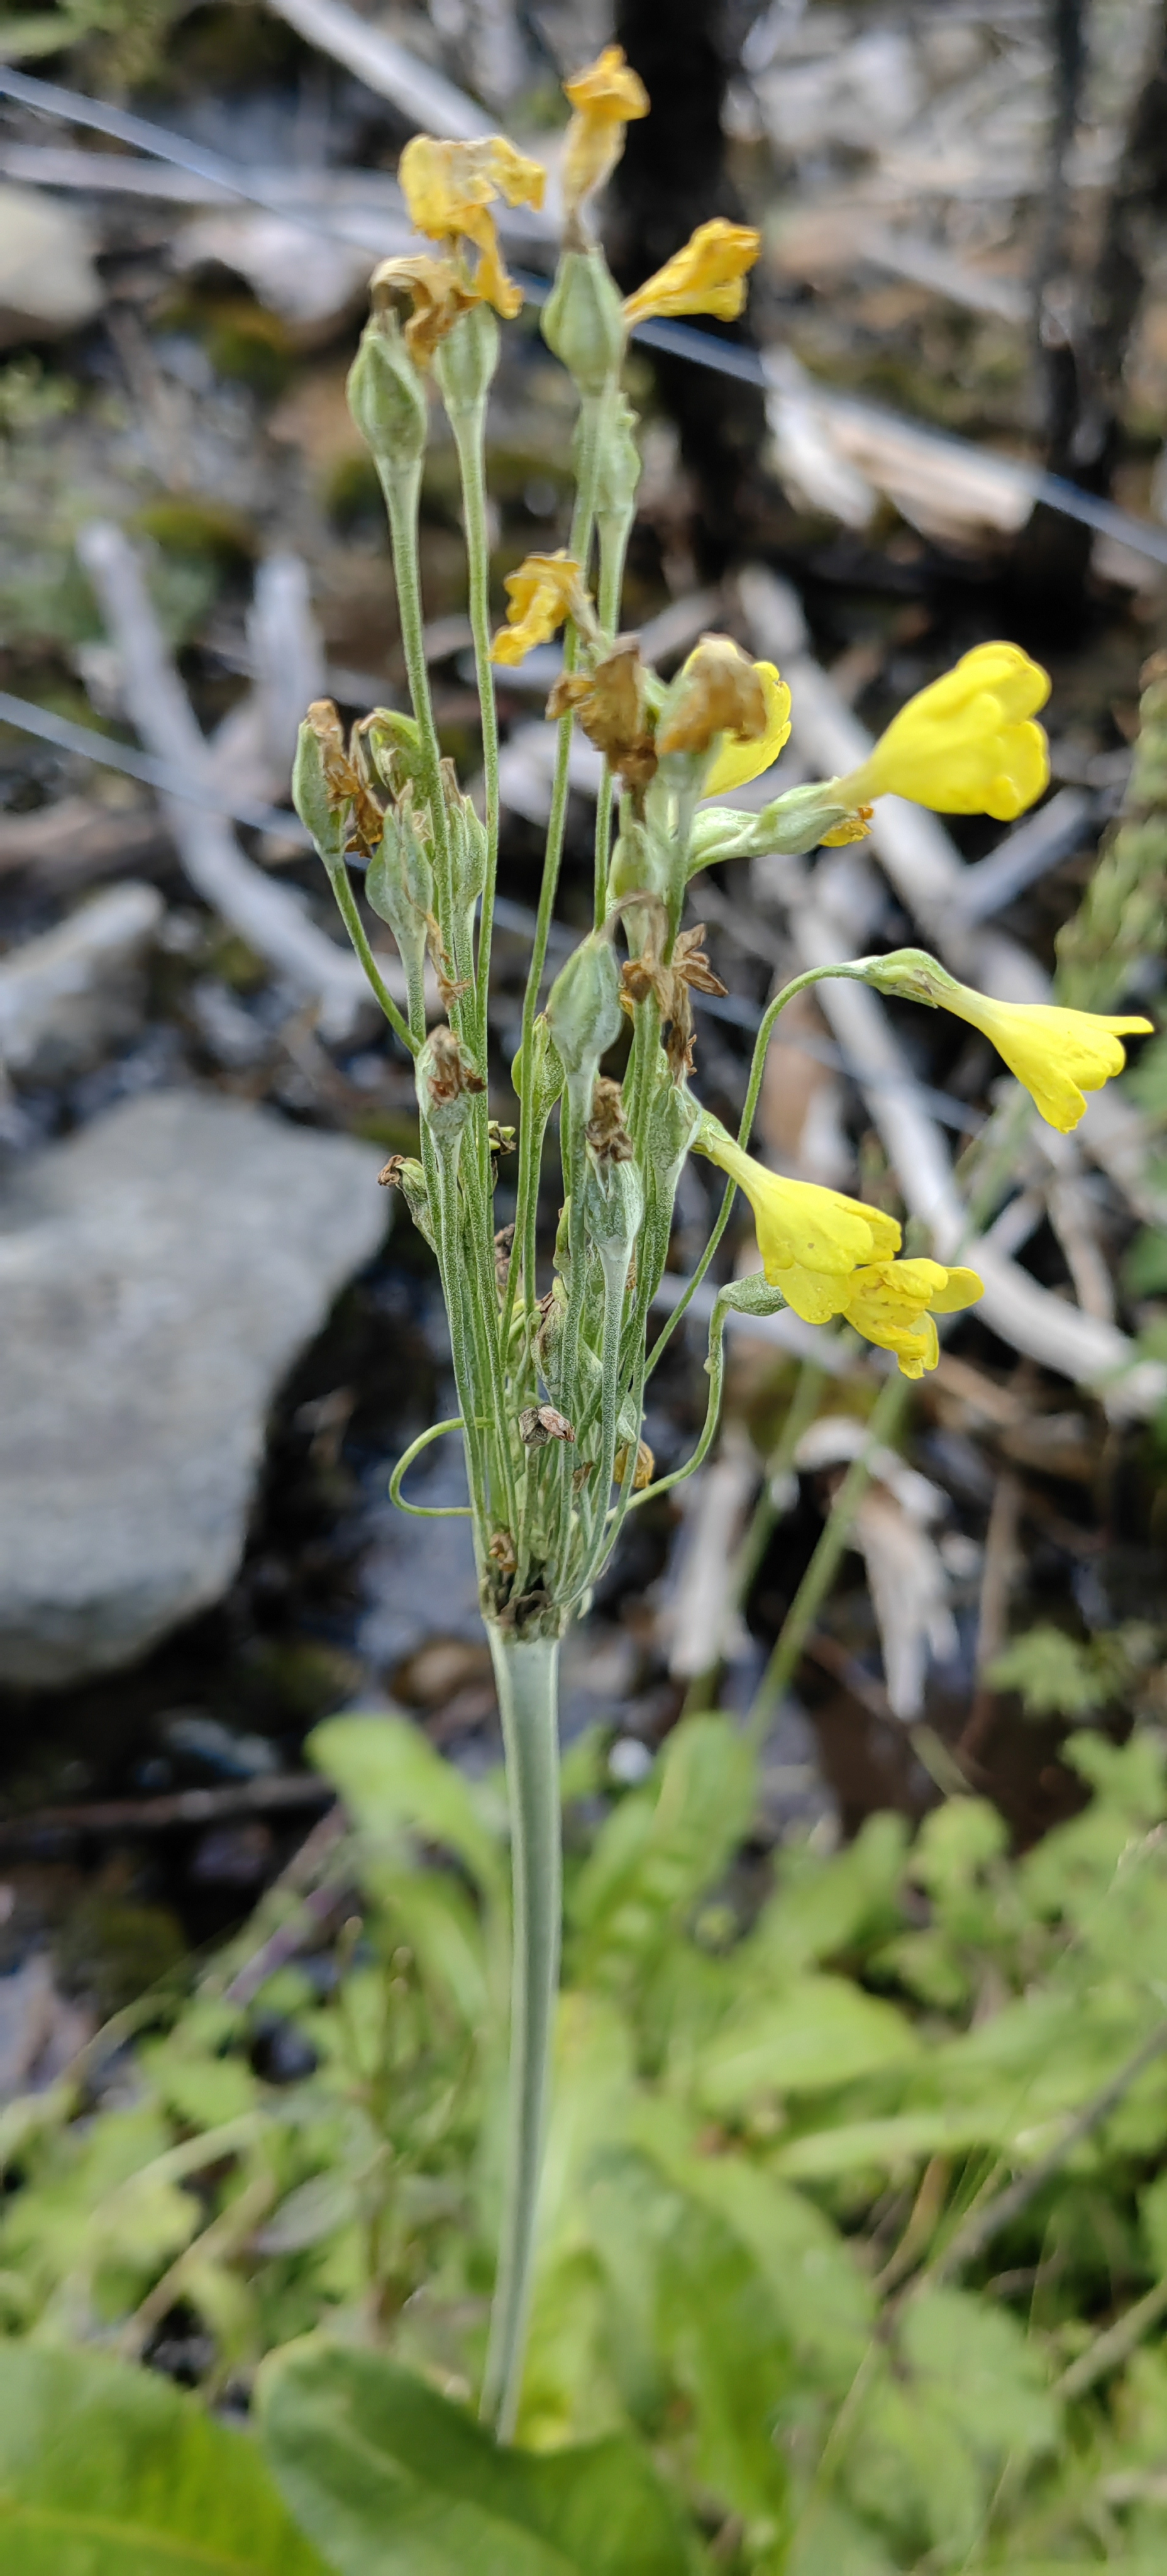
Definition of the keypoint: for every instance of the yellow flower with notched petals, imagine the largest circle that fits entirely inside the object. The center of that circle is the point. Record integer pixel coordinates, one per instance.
(607, 95)
(802, 1228)
(738, 760)
(967, 744)
(1058, 1054)
(707, 275)
(892, 1303)
(544, 591)
(449, 189)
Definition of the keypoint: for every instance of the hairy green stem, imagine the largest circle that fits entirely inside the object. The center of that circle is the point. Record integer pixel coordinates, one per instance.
(338, 878)
(526, 1671)
(469, 427)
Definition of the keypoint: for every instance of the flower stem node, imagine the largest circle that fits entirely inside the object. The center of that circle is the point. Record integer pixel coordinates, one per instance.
(583, 321)
(447, 1080)
(1058, 1054)
(386, 396)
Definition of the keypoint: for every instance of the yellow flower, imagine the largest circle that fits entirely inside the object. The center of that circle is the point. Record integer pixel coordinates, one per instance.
(738, 760)
(449, 189)
(966, 744)
(1059, 1055)
(544, 591)
(708, 275)
(893, 1303)
(607, 95)
(805, 1233)
(437, 297)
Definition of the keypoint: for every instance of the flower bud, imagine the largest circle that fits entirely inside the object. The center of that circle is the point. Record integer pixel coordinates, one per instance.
(752, 1295)
(546, 1075)
(403, 1172)
(317, 792)
(386, 395)
(399, 884)
(467, 360)
(583, 320)
(393, 748)
(584, 1017)
(447, 1080)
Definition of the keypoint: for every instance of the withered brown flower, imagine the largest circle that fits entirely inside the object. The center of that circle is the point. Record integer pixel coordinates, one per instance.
(718, 691)
(611, 705)
(689, 970)
(606, 1132)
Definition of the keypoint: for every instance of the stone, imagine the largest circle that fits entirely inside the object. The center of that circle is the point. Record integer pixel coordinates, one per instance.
(76, 990)
(159, 1273)
(48, 283)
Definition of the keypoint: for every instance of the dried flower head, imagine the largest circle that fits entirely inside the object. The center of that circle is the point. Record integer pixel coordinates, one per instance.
(449, 189)
(606, 1132)
(610, 702)
(718, 690)
(544, 591)
(707, 275)
(435, 292)
(606, 96)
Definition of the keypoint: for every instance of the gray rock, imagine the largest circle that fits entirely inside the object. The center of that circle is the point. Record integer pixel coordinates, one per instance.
(158, 1275)
(68, 995)
(48, 283)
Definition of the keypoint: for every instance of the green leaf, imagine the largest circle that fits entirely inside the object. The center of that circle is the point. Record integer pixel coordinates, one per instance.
(393, 2480)
(108, 2471)
(662, 1847)
(393, 1783)
(821, 2032)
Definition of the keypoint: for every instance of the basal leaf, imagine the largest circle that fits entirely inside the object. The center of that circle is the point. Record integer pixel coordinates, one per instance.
(393, 1782)
(820, 2032)
(393, 2480)
(108, 2471)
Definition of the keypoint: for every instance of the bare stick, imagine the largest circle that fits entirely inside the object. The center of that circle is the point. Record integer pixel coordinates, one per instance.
(267, 916)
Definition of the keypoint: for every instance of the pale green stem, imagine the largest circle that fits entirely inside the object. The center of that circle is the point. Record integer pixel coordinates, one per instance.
(402, 489)
(813, 975)
(526, 1672)
(579, 546)
(614, 532)
(821, 1571)
(338, 878)
(715, 1368)
(469, 437)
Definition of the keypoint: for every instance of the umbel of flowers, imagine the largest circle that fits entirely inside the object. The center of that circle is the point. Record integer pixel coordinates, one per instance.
(551, 1364)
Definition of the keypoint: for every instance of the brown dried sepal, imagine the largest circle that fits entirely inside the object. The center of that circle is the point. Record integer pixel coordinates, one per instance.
(344, 776)
(451, 1071)
(389, 1178)
(606, 1132)
(539, 1423)
(611, 705)
(719, 692)
(690, 970)
(431, 295)
(501, 1552)
(450, 986)
(644, 1470)
(503, 1248)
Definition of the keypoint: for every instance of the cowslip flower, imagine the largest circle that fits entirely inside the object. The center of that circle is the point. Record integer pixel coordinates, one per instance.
(892, 1303)
(606, 96)
(544, 591)
(707, 275)
(1058, 1054)
(967, 743)
(449, 189)
(802, 1227)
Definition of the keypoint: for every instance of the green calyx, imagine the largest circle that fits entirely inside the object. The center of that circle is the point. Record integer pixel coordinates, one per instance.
(386, 396)
(583, 320)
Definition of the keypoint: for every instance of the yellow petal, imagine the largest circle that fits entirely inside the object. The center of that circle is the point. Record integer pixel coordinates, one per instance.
(544, 591)
(738, 762)
(800, 1225)
(1059, 1055)
(967, 743)
(606, 96)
